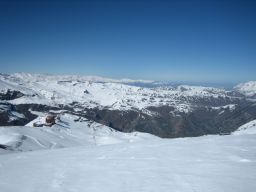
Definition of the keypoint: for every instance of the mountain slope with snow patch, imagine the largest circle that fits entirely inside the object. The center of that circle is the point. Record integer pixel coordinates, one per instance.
(90, 92)
(170, 111)
(248, 88)
(248, 128)
(69, 131)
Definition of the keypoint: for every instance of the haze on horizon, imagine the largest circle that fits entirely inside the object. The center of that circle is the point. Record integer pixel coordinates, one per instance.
(180, 40)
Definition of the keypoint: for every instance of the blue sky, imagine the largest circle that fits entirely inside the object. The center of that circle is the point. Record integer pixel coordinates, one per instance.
(182, 40)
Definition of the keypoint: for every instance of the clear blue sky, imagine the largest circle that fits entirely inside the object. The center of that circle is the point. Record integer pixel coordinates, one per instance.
(207, 41)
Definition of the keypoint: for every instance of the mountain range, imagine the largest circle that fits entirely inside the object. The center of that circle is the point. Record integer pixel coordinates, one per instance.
(128, 105)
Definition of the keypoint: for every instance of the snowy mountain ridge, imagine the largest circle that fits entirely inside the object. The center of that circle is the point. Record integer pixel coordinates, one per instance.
(97, 92)
(50, 77)
(248, 88)
(165, 111)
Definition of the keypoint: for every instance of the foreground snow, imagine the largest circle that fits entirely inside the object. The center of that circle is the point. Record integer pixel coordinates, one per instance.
(203, 164)
(69, 131)
(97, 158)
(248, 128)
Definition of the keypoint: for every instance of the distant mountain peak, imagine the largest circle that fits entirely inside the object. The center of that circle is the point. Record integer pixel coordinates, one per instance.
(248, 88)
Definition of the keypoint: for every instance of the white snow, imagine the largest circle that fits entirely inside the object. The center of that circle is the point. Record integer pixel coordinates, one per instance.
(248, 128)
(19, 115)
(66, 132)
(8, 138)
(248, 88)
(96, 158)
(202, 164)
(230, 107)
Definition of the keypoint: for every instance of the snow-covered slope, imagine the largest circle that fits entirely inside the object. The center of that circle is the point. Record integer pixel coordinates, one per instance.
(102, 93)
(248, 88)
(202, 164)
(248, 128)
(81, 155)
(68, 131)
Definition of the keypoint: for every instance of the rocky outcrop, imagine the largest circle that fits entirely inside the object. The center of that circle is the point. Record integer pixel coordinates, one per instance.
(165, 123)
(14, 115)
(10, 95)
